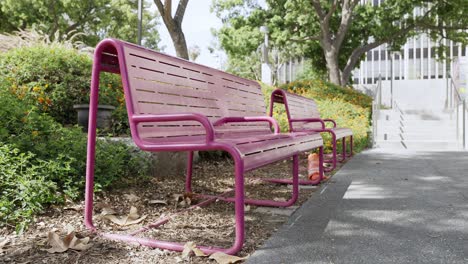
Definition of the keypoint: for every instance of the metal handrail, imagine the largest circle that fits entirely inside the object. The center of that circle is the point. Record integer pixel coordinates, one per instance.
(376, 104)
(455, 106)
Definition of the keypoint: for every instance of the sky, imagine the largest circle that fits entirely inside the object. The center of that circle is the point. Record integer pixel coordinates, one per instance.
(196, 26)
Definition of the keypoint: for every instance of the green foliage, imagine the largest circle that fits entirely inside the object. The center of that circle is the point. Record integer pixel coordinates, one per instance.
(296, 29)
(54, 78)
(53, 159)
(25, 184)
(96, 19)
(348, 107)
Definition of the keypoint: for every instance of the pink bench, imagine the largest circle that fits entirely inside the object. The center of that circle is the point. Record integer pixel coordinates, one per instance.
(176, 105)
(303, 116)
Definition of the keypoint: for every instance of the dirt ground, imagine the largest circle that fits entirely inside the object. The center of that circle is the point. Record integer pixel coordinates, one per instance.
(156, 198)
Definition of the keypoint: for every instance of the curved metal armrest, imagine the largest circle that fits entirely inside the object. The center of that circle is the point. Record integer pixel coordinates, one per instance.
(310, 120)
(330, 120)
(268, 119)
(178, 117)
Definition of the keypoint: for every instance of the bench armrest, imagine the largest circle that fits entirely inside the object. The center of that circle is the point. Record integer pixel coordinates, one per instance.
(310, 120)
(268, 119)
(179, 117)
(330, 120)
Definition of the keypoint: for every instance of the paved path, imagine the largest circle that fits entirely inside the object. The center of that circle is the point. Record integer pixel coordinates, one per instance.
(381, 208)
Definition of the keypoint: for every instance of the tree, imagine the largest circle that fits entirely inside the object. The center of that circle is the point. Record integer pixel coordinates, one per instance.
(174, 24)
(342, 30)
(96, 19)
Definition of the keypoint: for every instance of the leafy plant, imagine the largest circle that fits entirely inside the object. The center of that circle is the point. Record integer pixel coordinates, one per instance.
(348, 107)
(54, 77)
(46, 161)
(25, 184)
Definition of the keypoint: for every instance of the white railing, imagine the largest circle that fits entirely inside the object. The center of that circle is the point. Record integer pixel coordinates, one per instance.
(376, 105)
(456, 103)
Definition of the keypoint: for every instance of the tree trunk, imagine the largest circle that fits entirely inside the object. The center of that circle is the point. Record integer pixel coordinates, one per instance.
(178, 39)
(174, 25)
(334, 73)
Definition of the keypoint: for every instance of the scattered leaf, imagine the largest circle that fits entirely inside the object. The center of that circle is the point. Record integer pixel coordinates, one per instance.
(186, 202)
(131, 197)
(246, 208)
(157, 202)
(279, 199)
(70, 241)
(190, 247)
(3, 243)
(223, 258)
(76, 208)
(69, 228)
(130, 219)
(177, 197)
(56, 243)
(108, 211)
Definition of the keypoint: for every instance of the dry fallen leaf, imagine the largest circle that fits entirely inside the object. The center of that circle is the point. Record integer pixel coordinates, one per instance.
(190, 247)
(130, 219)
(186, 202)
(107, 211)
(3, 243)
(76, 208)
(177, 197)
(157, 202)
(279, 199)
(223, 258)
(131, 197)
(246, 208)
(70, 241)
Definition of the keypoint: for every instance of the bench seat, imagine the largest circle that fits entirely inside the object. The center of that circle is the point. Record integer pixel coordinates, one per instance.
(256, 150)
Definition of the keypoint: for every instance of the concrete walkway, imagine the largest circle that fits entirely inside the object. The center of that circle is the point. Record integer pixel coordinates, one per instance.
(381, 207)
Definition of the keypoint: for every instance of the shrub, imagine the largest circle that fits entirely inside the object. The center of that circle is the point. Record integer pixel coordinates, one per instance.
(349, 108)
(52, 158)
(25, 184)
(55, 77)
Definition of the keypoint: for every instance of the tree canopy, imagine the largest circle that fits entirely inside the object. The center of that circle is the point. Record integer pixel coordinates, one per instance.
(96, 19)
(337, 34)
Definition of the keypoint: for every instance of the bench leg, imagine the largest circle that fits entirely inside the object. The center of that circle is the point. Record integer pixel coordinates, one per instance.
(350, 147)
(129, 238)
(334, 159)
(188, 176)
(343, 150)
(272, 203)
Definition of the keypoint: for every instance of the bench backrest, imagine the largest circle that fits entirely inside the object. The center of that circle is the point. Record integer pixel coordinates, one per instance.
(156, 83)
(297, 107)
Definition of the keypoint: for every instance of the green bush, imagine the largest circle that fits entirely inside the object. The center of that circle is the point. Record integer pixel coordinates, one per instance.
(348, 107)
(54, 78)
(54, 157)
(25, 184)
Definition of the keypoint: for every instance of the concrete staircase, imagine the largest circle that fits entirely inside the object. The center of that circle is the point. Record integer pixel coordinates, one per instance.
(424, 130)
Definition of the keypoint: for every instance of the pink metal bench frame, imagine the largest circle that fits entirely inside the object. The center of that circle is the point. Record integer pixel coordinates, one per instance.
(112, 56)
(281, 96)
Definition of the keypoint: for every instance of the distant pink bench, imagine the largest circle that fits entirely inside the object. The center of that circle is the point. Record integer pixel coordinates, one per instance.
(176, 105)
(304, 116)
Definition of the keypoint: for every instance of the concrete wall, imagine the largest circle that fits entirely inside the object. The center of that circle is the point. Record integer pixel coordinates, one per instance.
(416, 94)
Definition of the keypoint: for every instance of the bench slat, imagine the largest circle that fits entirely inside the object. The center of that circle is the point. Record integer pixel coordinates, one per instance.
(163, 84)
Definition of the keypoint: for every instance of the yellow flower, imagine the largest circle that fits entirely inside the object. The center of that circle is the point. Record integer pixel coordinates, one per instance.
(35, 133)
(36, 89)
